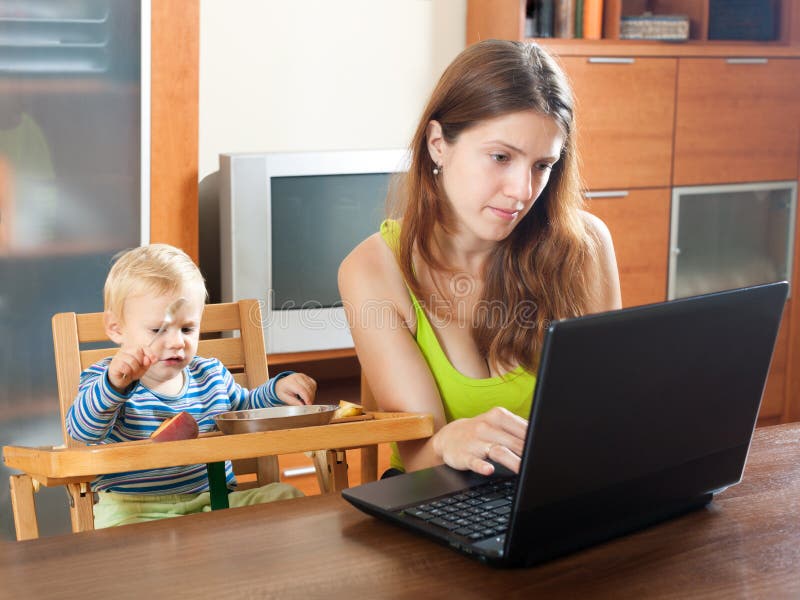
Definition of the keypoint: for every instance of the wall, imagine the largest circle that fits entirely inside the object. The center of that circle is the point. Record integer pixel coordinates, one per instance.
(317, 74)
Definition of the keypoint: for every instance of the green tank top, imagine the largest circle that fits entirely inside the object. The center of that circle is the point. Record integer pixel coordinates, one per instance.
(462, 396)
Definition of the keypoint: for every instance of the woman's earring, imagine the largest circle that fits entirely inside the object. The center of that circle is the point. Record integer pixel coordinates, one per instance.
(437, 169)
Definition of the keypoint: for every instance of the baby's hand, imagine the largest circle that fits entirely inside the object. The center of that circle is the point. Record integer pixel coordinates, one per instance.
(296, 389)
(128, 365)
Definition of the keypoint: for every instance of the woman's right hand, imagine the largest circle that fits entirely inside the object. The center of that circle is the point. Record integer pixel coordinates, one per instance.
(128, 365)
(497, 434)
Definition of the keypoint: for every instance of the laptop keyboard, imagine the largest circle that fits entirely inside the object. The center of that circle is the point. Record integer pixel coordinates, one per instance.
(476, 513)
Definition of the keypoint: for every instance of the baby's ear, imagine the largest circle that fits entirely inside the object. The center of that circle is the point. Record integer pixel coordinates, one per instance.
(113, 327)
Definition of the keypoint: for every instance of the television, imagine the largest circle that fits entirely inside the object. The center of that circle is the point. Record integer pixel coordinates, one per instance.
(287, 220)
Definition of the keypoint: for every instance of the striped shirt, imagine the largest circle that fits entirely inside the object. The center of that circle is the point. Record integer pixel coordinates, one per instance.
(102, 415)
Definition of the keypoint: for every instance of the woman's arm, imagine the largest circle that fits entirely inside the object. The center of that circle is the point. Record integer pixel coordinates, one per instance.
(381, 318)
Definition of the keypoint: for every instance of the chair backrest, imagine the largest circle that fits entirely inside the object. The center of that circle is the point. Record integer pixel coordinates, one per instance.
(243, 355)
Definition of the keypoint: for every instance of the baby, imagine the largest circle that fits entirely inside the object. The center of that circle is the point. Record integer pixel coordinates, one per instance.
(155, 375)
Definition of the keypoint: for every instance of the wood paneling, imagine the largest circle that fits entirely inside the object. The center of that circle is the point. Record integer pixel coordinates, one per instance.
(639, 225)
(790, 21)
(174, 114)
(625, 115)
(736, 122)
(498, 19)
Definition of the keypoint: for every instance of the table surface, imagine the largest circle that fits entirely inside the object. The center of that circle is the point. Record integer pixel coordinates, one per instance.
(746, 543)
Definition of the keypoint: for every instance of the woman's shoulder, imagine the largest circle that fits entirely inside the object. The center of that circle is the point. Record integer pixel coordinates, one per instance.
(372, 262)
(605, 294)
(371, 273)
(596, 228)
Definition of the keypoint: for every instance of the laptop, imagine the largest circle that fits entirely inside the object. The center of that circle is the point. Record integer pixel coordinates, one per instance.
(639, 415)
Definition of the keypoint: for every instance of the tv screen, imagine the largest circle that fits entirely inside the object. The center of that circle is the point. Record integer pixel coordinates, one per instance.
(316, 222)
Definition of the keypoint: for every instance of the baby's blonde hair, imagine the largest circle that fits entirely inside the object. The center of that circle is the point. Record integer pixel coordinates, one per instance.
(157, 269)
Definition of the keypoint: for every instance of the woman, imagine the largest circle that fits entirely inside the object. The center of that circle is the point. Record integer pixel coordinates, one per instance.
(448, 303)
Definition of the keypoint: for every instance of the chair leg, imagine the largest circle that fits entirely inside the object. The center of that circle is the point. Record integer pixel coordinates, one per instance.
(369, 463)
(267, 470)
(320, 461)
(23, 507)
(331, 466)
(337, 463)
(81, 506)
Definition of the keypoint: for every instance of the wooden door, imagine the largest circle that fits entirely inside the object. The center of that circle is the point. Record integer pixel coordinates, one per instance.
(175, 39)
(737, 120)
(625, 114)
(639, 225)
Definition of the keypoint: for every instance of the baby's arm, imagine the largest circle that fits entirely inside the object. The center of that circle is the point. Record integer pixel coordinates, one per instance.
(96, 407)
(285, 388)
(294, 388)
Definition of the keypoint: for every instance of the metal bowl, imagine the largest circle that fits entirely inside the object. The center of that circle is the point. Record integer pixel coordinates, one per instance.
(275, 417)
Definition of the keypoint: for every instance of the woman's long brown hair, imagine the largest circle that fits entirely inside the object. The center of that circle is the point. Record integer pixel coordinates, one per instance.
(537, 274)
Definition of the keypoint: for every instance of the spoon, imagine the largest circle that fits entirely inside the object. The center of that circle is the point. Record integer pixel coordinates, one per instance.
(169, 317)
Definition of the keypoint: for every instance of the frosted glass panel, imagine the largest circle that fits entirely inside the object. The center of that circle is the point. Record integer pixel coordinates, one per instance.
(725, 237)
(70, 194)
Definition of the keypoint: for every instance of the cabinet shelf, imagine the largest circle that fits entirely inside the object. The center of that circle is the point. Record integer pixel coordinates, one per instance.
(569, 47)
(505, 19)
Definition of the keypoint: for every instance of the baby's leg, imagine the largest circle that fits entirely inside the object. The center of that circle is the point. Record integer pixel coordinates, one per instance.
(266, 493)
(124, 509)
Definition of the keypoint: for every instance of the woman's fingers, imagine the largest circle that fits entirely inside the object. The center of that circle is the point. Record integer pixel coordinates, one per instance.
(503, 428)
(506, 457)
(504, 419)
(480, 466)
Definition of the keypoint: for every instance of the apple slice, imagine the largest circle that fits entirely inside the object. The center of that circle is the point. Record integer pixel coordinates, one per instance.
(180, 427)
(347, 409)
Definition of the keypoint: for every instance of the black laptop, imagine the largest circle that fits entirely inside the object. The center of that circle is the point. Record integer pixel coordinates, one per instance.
(639, 415)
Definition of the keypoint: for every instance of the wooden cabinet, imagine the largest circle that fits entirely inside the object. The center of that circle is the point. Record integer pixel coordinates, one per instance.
(639, 225)
(631, 145)
(738, 120)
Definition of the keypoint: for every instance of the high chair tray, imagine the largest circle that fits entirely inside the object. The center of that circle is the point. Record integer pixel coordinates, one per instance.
(59, 465)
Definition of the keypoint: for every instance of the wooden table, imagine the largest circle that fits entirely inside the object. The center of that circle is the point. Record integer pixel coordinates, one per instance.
(745, 544)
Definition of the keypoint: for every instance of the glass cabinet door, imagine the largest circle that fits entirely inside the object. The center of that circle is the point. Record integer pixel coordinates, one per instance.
(72, 193)
(730, 236)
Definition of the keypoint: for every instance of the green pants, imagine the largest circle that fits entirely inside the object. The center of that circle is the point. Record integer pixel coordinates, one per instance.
(123, 509)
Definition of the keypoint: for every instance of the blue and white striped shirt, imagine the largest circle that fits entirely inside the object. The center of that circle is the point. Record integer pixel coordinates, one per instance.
(101, 415)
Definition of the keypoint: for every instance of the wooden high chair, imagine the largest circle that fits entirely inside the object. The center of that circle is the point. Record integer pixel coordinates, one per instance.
(244, 356)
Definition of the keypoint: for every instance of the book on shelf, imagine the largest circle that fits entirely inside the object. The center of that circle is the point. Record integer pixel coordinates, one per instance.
(554, 18)
(564, 19)
(593, 19)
